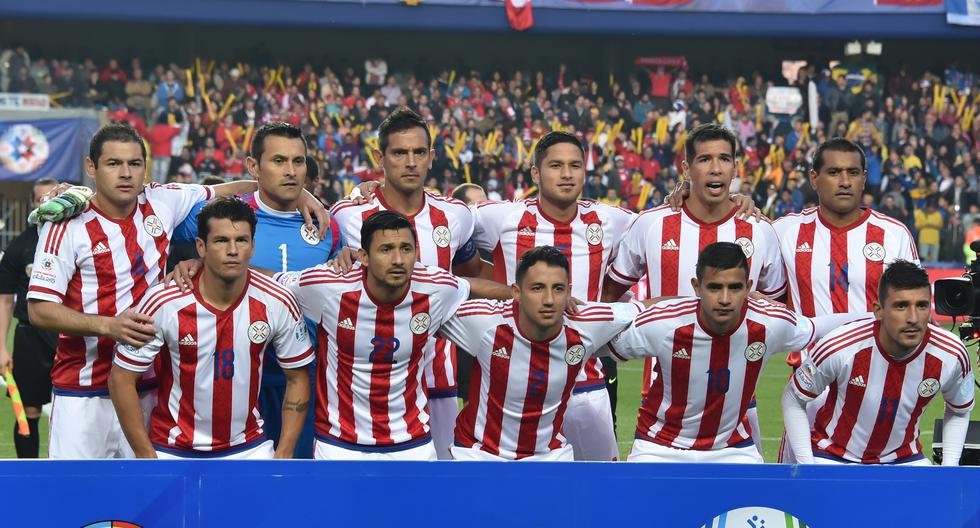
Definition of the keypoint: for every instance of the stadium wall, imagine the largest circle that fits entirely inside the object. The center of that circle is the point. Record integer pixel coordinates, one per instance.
(209, 493)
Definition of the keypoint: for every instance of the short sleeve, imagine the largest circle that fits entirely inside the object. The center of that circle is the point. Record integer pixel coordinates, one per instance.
(960, 388)
(772, 276)
(488, 220)
(292, 339)
(308, 287)
(630, 262)
(810, 379)
(187, 230)
(641, 338)
(469, 322)
(180, 197)
(54, 263)
(140, 359)
(465, 252)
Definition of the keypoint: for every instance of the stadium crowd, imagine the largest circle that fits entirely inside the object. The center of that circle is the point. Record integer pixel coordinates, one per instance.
(918, 128)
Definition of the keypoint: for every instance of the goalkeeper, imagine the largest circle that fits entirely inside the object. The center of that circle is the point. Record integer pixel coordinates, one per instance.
(34, 349)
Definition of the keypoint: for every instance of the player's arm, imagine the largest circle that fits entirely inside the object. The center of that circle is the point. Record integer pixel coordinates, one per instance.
(613, 291)
(959, 394)
(122, 390)
(295, 404)
(473, 267)
(309, 206)
(129, 327)
(797, 425)
(487, 289)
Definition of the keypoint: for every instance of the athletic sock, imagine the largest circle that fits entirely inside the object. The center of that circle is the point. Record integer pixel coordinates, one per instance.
(28, 446)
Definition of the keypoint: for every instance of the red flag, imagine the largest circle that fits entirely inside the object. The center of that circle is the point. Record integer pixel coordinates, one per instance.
(519, 14)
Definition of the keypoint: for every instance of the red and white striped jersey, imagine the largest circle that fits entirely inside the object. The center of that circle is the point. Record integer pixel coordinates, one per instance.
(705, 381)
(836, 270)
(589, 240)
(102, 266)
(443, 226)
(665, 246)
(875, 401)
(210, 361)
(517, 408)
(369, 388)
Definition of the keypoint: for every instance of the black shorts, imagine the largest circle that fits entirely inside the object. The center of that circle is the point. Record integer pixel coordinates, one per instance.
(33, 356)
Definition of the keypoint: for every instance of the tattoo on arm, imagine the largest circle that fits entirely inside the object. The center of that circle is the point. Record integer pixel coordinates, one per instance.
(297, 406)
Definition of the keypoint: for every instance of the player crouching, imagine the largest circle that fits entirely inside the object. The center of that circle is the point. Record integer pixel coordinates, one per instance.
(210, 342)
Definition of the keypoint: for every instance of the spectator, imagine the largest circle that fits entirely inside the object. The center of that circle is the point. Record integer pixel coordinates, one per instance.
(169, 88)
(953, 239)
(161, 138)
(890, 208)
(929, 223)
(138, 92)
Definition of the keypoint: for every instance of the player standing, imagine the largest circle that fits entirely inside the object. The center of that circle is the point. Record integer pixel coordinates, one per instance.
(881, 375)
(529, 354)
(836, 253)
(688, 416)
(588, 234)
(664, 245)
(89, 271)
(376, 331)
(283, 242)
(444, 227)
(210, 343)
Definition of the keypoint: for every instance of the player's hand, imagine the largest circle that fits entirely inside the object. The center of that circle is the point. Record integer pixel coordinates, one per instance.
(364, 192)
(6, 361)
(61, 203)
(344, 261)
(681, 192)
(132, 328)
(183, 274)
(572, 306)
(761, 297)
(311, 208)
(746, 207)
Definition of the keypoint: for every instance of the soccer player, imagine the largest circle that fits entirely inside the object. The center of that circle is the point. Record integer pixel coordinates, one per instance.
(688, 416)
(283, 242)
(881, 375)
(210, 344)
(664, 245)
(529, 354)
(89, 271)
(33, 348)
(588, 234)
(376, 331)
(444, 227)
(835, 253)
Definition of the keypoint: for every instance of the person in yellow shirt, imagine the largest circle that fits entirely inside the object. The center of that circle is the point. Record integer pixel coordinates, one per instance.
(929, 222)
(909, 159)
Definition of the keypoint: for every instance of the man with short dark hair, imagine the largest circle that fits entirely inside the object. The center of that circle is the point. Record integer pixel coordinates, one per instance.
(688, 416)
(881, 375)
(529, 354)
(221, 326)
(377, 328)
(444, 227)
(33, 348)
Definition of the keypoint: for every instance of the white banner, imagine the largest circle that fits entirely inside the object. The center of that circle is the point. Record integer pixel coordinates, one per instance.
(22, 101)
(783, 100)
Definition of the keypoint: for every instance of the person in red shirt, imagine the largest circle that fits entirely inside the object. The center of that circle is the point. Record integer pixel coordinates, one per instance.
(227, 132)
(649, 165)
(161, 138)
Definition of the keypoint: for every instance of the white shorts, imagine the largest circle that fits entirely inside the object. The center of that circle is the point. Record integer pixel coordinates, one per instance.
(325, 451)
(824, 461)
(442, 424)
(262, 451)
(469, 454)
(588, 426)
(646, 451)
(86, 427)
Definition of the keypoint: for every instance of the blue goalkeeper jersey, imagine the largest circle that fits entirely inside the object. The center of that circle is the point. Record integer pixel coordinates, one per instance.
(282, 243)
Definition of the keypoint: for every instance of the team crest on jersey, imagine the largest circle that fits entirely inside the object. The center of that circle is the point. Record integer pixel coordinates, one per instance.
(928, 387)
(574, 354)
(441, 236)
(593, 233)
(874, 252)
(258, 332)
(755, 351)
(420, 323)
(153, 226)
(747, 246)
(310, 234)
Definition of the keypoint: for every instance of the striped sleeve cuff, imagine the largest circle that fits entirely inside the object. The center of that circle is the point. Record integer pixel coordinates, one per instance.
(297, 361)
(40, 293)
(619, 277)
(801, 392)
(131, 364)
